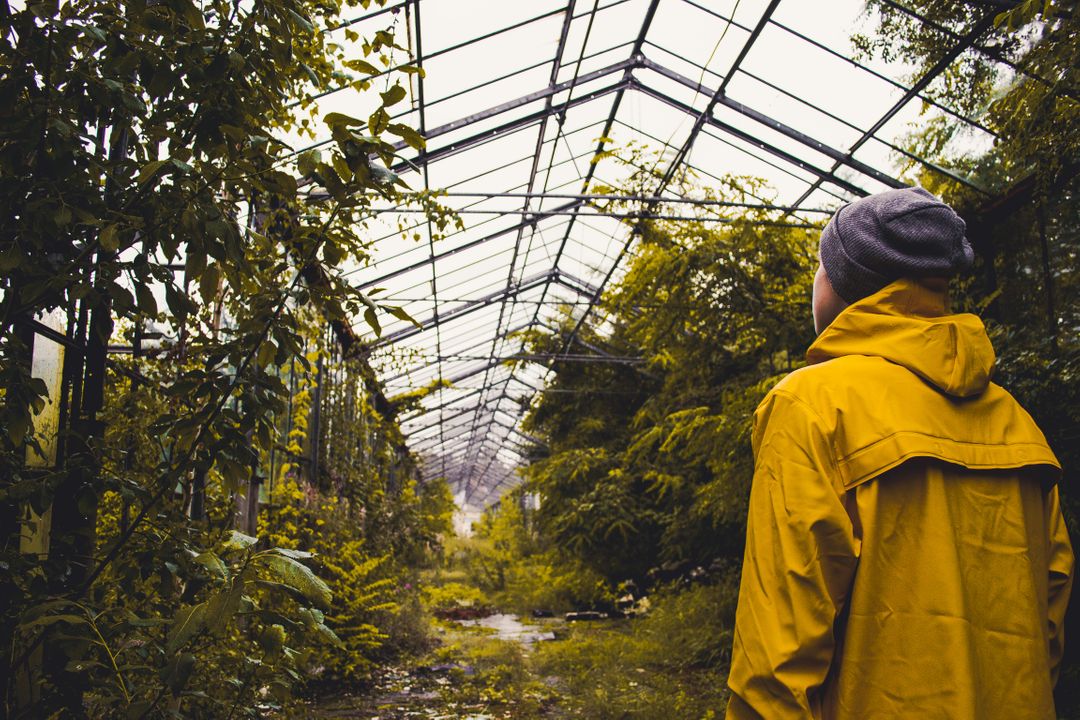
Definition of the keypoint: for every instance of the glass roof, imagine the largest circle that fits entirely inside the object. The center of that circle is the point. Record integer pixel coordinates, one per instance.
(515, 101)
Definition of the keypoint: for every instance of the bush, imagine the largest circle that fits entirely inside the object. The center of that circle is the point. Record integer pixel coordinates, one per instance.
(453, 595)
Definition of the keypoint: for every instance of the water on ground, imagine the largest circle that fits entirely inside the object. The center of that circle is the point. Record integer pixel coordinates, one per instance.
(511, 628)
(446, 689)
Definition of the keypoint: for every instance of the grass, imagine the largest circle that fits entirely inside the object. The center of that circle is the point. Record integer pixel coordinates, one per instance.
(670, 664)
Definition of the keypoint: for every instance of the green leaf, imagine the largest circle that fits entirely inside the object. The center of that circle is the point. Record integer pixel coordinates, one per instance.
(373, 320)
(187, 623)
(330, 636)
(190, 12)
(301, 20)
(178, 302)
(294, 554)
(149, 170)
(408, 134)
(306, 162)
(238, 541)
(221, 608)
(146, 300)
(18, 426)
(383, 176)
(333, 253)
(400, 314)
(362, 66)
(108, 238)
(272, 640)
(177, 673)
(46, 620)
(413, 69)
(208, 283)
(123, 300)
(378, 121)
(266, 354)
(314, 620)
(393, 96)
(341, 168)
(336, 118)
(292, 573)
(213, 563)
(311, 75)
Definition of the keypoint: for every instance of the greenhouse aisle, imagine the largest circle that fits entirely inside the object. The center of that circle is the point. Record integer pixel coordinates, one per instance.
(484, 664)
(409, 358)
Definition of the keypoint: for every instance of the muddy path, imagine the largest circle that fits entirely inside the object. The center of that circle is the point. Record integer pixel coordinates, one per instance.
(479, 671)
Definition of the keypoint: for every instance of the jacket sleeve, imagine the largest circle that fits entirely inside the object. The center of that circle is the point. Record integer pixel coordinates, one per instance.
(1061, 577)
(798, 567)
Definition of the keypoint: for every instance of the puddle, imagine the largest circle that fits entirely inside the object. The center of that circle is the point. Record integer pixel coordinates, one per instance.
(510, 627)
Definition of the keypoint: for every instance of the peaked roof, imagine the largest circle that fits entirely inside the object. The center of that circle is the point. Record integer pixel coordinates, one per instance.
(517, 105)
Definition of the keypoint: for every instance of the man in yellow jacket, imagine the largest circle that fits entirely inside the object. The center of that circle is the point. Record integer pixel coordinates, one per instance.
(906, 555)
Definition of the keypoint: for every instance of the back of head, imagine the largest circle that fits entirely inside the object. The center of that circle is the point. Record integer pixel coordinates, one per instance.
(905, 233)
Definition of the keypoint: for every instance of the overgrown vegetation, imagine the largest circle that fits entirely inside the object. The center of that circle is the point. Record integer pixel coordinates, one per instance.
(646, 467)
(149, 204)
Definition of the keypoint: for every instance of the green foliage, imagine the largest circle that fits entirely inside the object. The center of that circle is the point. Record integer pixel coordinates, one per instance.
(521, 570)
(1032, 106)
(500, 677)
(452, 595)
(206, 646)
(651, 462)
(668, 664)
(151, 202)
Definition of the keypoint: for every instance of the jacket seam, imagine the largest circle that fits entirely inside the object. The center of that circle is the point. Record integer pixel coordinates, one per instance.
(834, 456)
(973, 443)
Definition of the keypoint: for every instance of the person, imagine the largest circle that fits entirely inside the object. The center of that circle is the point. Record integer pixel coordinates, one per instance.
(906, 555)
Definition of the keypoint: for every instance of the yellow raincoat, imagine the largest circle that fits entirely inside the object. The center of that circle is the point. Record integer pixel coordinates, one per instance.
(905, 554)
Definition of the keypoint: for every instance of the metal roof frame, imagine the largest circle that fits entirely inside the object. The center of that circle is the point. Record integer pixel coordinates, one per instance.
(557, 243)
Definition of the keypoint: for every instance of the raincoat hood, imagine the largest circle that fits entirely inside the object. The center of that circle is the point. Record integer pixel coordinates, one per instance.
(908, 324)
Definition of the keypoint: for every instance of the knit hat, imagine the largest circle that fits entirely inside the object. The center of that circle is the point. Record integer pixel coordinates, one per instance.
(905, 233)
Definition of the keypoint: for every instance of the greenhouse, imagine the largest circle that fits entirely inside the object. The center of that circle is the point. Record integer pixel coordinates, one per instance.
(419, 359)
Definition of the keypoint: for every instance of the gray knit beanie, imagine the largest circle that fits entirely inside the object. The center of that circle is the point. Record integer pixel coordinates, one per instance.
(884, 237)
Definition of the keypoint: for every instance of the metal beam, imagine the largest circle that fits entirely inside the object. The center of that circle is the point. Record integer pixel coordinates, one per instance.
(676, 162)
(513, 429)
(462, 310)
(855, 63)
(515, 104)
(454, 251)
(775, 125)
(445, 405)
(464, 181)
(428, 363)
(756, 142)
(627, 80)
(939, 67)
(667, 200)
(444, 51)
(485, 405)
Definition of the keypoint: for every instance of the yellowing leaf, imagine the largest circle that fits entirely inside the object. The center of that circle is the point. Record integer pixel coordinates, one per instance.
(296, 575)
(393, 96)
(108, 238)
(408, 134)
